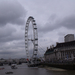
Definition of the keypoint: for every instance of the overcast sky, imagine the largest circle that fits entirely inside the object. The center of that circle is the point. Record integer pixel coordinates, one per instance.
(54, 19)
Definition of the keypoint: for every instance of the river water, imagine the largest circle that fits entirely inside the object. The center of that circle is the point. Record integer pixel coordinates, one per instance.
(24, 70)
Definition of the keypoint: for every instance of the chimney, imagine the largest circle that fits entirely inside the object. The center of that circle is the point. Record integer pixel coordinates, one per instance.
(47, 48)
(52, 46)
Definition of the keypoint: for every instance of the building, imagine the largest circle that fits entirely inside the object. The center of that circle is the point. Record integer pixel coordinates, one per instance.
(69, 37)
(64, 51)
(49, 54)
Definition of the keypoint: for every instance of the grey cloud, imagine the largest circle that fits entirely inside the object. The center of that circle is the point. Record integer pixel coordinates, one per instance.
(52, 17)
(67, 22)
(6, 31)
(12, 54)
(11, 11)
(14, 49)
(7, 52)
(15, 36)
(18, 45)
(9, 33)
(12, 46)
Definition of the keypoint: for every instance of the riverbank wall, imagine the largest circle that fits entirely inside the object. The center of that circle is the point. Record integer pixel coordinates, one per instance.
(60, 65)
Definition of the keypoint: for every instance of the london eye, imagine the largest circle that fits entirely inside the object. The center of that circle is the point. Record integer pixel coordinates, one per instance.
(33, 40)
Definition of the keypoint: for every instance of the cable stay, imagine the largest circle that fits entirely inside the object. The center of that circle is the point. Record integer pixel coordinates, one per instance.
(41, 48)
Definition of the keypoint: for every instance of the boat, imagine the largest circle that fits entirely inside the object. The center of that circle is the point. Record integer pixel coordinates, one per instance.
(1, 64)
(13, 66)
(9, 72)
(1, 68)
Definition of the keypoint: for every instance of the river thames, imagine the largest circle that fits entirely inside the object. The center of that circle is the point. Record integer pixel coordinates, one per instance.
(24, 70)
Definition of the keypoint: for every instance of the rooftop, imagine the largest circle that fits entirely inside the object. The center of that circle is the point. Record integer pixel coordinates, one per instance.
(51, 50)
(70, 43)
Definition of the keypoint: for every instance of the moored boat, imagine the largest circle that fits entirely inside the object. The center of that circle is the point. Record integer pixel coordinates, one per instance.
(13, 66)
(1, 68)
(9, 72)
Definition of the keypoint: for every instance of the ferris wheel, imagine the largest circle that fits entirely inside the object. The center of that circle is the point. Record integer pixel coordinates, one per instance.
(34, 40)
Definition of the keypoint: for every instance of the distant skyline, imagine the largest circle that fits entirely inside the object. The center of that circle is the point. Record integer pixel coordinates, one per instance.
(54, 19)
